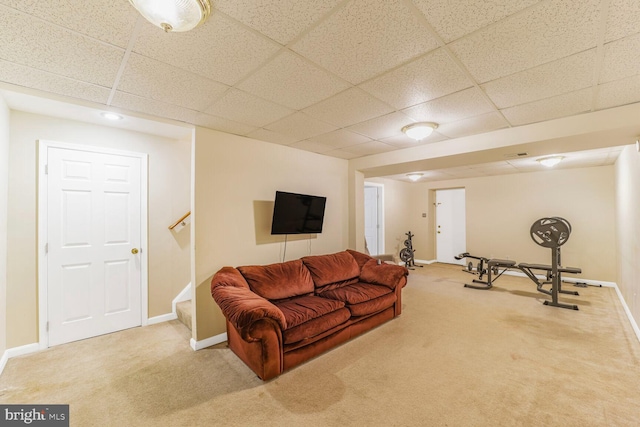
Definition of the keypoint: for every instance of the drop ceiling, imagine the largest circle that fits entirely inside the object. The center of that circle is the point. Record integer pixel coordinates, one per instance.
(340, 78)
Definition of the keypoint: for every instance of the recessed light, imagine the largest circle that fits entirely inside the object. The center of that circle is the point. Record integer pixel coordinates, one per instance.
(419, 130)
(111, 116)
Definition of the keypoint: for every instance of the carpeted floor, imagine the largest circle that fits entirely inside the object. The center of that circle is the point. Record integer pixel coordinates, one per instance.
(456, 357)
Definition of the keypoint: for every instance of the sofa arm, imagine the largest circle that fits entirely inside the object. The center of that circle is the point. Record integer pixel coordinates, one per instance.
(241, 306)
(388, 275)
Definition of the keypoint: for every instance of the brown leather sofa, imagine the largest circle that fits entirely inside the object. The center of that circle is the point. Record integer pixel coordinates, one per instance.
(281, 315)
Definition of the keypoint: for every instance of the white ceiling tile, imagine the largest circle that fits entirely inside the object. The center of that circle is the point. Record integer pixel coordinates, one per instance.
(220, 50)
(292, 81)
(369, 148)
(48, 47)
(149, 78)
(478, 124)
(403, 141)
(41, 80)
(153, 107)
(551, 79)
(431, 76)
(377, 34)
(341, 154)
(246, 108)
(349, 107)
(300, 126)
(223, 125)
(457, 106)
(623, 19)
(315, 147)
(619, 92)
(281, 20)
(543, 33)
(621, 58)
(340, 139)
(383, 127)
(454, 19)
(110, 21)
(271, 136)
(551, 108)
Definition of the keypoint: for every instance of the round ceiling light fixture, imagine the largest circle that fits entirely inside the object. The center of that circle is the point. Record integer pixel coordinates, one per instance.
(550, 161)
(419, 130)
(111, 116)
(414, 176)
(174, 15)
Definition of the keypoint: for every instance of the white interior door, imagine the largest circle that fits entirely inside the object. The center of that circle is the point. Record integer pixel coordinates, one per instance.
(372, 219)
(94, 238)
(450, 225)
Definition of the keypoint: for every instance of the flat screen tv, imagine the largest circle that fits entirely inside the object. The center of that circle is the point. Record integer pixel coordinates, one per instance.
(297, 213)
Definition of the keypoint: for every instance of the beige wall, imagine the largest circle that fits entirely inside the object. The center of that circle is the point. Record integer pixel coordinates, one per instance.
(4, 186)
(628, 232)
(235, 183)
(403, 208)
(168, 199)
(501, 209)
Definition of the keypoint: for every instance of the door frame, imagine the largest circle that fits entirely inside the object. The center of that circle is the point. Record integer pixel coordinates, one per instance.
(42, 230)
(381, 242)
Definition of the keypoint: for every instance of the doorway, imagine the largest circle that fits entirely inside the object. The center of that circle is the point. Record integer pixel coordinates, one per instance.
(373, 218)
(450, 225)
(92, 241)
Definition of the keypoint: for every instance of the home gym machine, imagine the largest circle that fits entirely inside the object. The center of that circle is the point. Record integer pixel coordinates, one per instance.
(549, 233)
(406, 253)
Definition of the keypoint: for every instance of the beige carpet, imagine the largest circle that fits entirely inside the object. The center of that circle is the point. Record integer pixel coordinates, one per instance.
(456, 357)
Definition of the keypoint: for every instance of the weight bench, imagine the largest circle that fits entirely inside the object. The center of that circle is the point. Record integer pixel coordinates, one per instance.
(493, 266)
(527, 269)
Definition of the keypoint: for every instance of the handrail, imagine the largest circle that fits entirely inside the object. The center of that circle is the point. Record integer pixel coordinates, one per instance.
(180, 221)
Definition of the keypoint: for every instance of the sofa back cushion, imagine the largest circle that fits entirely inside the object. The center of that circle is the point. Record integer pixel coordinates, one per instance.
(278, 281)
(325, 270)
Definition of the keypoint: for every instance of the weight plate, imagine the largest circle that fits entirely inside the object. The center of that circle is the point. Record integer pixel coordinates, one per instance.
(563, 220)
(407, 243)
(470, 266)
(550, 232)
(406, 255)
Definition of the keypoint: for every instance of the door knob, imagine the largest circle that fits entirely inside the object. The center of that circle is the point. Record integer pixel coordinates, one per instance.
(134, 251)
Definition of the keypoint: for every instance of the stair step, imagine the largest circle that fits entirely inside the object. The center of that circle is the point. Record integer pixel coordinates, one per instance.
(183, 310)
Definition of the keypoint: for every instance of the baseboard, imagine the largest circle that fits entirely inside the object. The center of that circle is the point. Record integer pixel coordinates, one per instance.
(199, 345)
(634, 325)
(162, 318)
(421, 261)
(17, 351)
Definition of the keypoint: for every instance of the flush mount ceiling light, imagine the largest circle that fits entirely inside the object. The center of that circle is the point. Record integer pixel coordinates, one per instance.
(414, 176)
(174, 15)
(111, 116)
(420, 130)
(550, 161)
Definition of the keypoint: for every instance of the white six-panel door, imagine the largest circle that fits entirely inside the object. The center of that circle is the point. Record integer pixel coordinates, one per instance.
(94, 238)
(451, 237)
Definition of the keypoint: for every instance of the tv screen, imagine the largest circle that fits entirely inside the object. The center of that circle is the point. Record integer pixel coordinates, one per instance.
(297, 213)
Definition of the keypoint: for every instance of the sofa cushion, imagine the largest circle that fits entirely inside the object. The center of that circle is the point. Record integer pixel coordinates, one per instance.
(315, 327)
(357, 293)
(278, 281)
(372, 306)
(328, 269)
(302, 309)
(363, 298)
(382, 274)
(360, 258)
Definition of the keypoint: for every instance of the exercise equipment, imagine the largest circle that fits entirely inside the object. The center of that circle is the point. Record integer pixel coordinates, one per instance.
(551, 233)
(406, 253)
